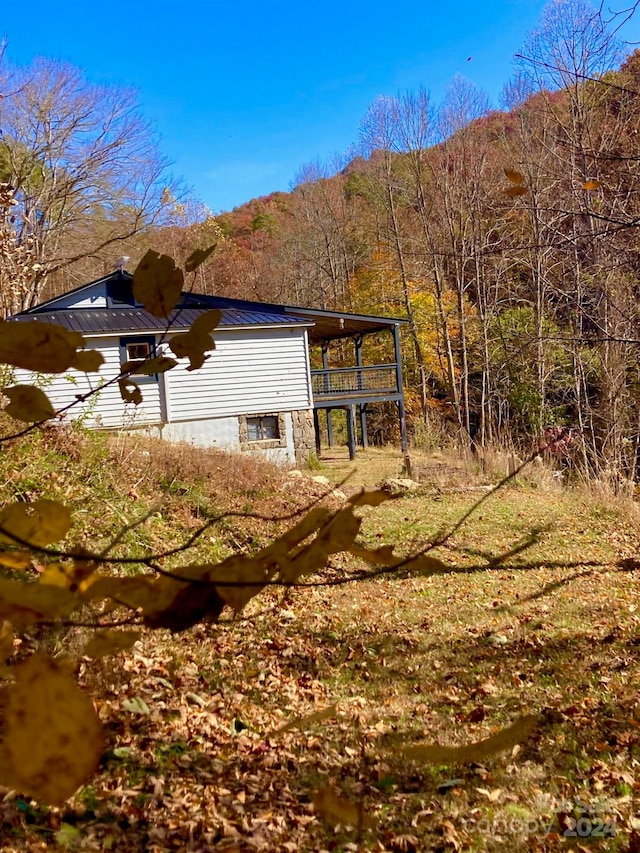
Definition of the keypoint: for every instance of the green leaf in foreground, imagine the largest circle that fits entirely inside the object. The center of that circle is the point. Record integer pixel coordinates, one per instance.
(136, 705)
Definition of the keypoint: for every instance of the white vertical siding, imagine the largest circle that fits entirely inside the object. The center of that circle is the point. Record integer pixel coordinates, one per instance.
(105, 408)
(250, 371)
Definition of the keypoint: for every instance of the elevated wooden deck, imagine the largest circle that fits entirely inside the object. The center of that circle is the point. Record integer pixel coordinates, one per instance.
(354, 388)
(344, 386)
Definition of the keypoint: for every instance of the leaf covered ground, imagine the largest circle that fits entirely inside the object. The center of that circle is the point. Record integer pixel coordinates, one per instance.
(291, 728)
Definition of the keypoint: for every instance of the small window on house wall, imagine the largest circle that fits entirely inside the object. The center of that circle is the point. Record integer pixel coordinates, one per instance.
(138, 351)
(263, 428)
(134, 351)
(262, 431)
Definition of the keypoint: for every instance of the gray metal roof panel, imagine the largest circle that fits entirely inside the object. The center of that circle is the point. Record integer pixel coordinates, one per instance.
(326, 325)
(102, 321)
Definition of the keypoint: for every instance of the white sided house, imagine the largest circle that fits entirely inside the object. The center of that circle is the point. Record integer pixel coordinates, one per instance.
(255, 392)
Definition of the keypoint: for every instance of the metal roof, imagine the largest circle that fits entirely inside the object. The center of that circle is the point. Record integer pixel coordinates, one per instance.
(104, 321)
(323, 325)
(327, 325)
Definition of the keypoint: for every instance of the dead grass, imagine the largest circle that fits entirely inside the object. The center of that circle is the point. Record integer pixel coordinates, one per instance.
(447, 469)
(175, 465)
(539, 614)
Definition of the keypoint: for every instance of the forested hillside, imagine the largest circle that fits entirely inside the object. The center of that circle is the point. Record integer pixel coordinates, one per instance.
(509, 238)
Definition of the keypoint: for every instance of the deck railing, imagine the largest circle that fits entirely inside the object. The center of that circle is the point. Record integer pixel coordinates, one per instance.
(343, 382)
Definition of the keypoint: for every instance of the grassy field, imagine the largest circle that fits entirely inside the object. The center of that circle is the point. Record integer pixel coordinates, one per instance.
(287, 729)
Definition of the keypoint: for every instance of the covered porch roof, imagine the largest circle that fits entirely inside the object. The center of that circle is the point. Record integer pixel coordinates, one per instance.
(327, 325)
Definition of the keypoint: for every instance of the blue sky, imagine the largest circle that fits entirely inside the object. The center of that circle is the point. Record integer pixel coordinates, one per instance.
(243, 96)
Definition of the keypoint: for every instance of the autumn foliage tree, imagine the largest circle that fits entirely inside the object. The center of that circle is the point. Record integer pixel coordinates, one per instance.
(83, 171)
(507, 238)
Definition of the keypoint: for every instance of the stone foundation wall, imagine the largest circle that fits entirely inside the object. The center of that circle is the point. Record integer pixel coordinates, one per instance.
(304, 435)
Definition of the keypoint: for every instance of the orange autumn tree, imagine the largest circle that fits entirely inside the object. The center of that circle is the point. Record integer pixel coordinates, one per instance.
(434, 321)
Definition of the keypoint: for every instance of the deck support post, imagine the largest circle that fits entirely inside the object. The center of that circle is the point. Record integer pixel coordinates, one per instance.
(401, 410)
(325, 366)
(329, 428)
(316, 427)
(362, 409)
(363, 425)
(351, 431)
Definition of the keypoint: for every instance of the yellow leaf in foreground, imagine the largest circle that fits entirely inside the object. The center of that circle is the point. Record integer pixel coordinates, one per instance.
(56, 574)
(190, 605)
(76, 576)
(38, 523)
(52, 737)
(197, 341)
(340, 532)
(371, 497)
(506, 739)
(16, 560)
(157, 283)
(64, 576)
(160, 364)
(514, 192)
(335, 532)
(338, 810)
(514, 177)
(110, 642)
(28, 403)
(179, 604)
(6, 640)
(25, 603)
(130, 592)
(247, 576)
(42, 347)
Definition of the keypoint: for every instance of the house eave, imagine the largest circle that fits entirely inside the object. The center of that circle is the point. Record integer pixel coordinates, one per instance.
(184, 329)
